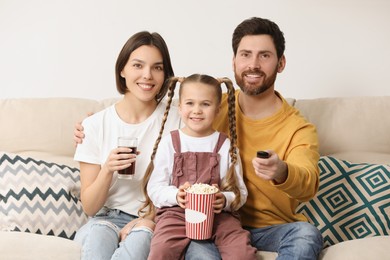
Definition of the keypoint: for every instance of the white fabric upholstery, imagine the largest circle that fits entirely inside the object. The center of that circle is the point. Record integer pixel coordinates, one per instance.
(23, 246)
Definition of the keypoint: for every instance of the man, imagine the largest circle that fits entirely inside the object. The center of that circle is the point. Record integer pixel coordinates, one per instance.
(266, 122)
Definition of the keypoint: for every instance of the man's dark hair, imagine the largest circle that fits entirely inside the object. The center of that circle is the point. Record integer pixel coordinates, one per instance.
(258, 26)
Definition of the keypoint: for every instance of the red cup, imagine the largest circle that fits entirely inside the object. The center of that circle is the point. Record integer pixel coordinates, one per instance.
(199, 215)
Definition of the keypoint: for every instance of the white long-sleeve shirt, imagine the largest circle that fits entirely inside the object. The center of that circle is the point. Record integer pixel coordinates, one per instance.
(160, 188)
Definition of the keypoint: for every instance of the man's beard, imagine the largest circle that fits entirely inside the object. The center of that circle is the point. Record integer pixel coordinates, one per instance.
(251, 89)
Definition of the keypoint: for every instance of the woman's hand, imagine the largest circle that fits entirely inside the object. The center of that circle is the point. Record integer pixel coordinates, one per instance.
(138, 222)
(119, 158)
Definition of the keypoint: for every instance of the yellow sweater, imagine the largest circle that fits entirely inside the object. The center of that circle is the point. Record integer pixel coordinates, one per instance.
(295, 141)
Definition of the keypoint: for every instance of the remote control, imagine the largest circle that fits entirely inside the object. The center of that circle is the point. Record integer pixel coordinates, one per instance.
(263, 154)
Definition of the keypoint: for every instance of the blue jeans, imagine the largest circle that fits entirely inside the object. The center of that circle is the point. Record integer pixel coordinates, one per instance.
(99, 238)
(200, 250)
(297, 240)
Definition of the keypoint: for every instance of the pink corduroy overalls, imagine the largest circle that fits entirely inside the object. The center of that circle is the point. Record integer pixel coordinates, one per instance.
(169, 240)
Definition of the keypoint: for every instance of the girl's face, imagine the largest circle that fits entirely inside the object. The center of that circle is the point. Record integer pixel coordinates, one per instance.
(198, 108)
(144, 73)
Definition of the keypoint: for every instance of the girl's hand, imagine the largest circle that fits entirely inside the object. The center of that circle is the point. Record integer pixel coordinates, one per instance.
(219, 203)
(120, 158)
(181, 195)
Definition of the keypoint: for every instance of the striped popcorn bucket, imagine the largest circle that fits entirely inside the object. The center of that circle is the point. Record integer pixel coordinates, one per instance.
(199, 215)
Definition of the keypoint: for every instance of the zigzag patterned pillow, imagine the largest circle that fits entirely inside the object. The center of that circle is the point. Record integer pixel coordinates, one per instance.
(39, 197)
(353, 201)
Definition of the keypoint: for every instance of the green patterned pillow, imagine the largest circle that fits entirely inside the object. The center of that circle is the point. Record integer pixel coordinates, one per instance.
(353, 201)
(39, 197)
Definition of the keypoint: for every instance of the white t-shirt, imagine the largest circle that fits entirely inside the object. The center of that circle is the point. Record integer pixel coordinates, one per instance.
(159, 188)
(101, 134)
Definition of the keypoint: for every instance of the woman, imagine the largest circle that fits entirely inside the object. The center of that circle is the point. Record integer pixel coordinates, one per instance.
(142, 68)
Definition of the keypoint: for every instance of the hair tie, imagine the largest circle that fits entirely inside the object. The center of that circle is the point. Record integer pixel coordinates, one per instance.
(220, 80)
(181, 79)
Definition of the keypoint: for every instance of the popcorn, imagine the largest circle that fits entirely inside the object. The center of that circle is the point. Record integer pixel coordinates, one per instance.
(201, 188)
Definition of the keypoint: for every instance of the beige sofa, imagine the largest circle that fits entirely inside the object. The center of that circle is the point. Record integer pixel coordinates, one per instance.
(352, 208)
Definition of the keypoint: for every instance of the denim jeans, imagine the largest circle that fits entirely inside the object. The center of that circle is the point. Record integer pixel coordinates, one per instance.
(200, 250)
(99, 238)
(297, 240)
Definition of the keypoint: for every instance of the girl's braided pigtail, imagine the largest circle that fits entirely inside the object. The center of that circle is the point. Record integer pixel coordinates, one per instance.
(230, 181)
(148, 208)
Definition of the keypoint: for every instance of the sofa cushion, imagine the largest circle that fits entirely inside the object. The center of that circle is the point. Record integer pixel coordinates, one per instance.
(353, 200)
(43, 125)
(22, 246)
(358, 249)
(39, 197)
(342, 122)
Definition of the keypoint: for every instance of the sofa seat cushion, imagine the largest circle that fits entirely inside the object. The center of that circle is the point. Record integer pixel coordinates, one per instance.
(22, 246)
(39, 197)
(353, 201)
(358, 249)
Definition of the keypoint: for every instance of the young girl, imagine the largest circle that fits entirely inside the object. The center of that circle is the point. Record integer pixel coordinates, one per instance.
(197, 154)
(142, 67)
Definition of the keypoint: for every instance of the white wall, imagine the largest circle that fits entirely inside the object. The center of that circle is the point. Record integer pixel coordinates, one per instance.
(68, 48)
